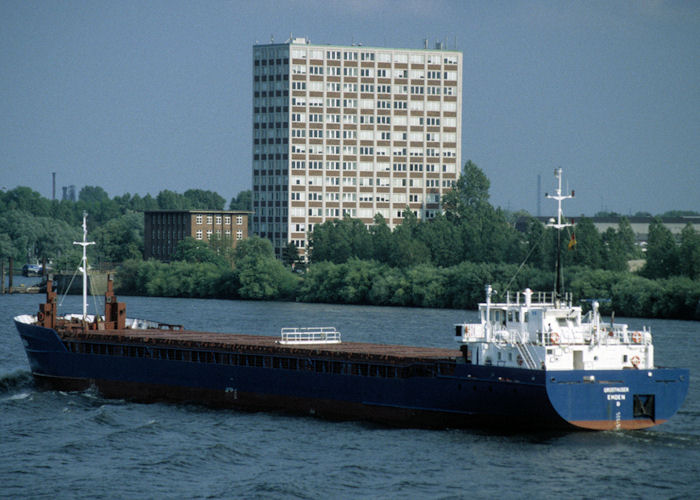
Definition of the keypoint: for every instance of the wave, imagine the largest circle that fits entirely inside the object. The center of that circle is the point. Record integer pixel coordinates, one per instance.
(12, 382)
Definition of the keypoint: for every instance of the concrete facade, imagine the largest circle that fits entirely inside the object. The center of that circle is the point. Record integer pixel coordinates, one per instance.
(351, 131)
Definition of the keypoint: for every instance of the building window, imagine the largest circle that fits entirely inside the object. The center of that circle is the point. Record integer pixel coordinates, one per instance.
(198, 220)
(218, 219)
(209, 219)
(239, 235)
(227, 220)
(199, 234)
(208, 234)
(239, 220)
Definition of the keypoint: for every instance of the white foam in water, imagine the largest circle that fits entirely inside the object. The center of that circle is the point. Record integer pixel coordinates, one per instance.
(19, 396)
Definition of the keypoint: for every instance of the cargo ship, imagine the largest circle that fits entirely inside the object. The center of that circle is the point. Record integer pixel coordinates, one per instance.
(533, 361)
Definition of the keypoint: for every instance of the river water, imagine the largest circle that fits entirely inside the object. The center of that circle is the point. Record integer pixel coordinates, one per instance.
(79, 445)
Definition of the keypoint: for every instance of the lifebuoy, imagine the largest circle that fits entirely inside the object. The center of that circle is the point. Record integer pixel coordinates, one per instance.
(635, 361)
(520, 360)
(554, 338)
(637, 337)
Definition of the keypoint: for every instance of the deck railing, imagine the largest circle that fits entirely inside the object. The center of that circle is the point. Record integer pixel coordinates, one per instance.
(321, 335)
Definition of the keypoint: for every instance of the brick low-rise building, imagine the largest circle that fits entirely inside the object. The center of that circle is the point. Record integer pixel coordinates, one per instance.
(164, 229)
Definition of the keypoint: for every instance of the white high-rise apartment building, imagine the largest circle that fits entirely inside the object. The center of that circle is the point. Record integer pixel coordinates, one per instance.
(351, 130)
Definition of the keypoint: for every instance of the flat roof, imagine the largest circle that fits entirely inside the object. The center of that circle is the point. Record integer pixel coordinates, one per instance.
(198, 211)
(354, 47)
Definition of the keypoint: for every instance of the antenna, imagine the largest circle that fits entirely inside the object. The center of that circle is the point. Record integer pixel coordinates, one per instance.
(83, 263)
(558, 225)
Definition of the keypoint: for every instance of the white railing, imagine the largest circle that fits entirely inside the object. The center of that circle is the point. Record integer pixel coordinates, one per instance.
(621, 335)
(536, 299)
(321, 335)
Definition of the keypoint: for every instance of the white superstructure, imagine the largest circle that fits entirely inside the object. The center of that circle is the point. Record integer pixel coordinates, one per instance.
(530, 330)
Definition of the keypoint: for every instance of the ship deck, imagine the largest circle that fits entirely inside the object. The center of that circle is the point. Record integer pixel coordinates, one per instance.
(189, 339)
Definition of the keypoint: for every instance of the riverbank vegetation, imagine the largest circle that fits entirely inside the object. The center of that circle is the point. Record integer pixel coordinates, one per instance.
(441, 262)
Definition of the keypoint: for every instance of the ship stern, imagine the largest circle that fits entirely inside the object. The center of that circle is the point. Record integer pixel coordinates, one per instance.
(617, 399)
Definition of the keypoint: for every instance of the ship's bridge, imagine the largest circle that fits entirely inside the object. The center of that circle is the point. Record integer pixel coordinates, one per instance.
(535, 330)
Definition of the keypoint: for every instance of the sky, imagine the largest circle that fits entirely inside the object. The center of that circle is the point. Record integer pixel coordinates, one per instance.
(138, 97)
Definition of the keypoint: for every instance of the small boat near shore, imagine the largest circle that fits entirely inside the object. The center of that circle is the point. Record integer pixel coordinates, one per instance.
(534, 360)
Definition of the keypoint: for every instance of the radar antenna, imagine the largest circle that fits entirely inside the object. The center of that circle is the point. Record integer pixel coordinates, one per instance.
(559, 224)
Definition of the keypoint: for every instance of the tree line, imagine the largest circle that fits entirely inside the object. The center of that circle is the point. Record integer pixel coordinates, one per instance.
(33, 228)
(441, 262)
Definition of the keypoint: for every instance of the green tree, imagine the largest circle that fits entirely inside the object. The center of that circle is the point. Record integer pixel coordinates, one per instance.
(135, 203)
(223, 246)
(291, 257)
(6, 247)
(588, 248)
(254, 246)
(192, 250)
(485, 234)
(259, 274)
(357, 281)
(93, 195)
(34, 238)
(627, 239)
(427, 286)
(381, 239)
(662, 252)
(200, 199)
(243, 201)
(24, 199)
(340, 240)
(121, 238)
(145, 203)
(689, 252)
(99, 207)
(470, 192)
(406, 249)
(442, 239)
(324, 245)
(322, 282)
(538, 252)
(170, 200)
(614, 256)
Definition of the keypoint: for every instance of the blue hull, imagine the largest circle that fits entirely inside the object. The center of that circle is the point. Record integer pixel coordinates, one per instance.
(463, 396)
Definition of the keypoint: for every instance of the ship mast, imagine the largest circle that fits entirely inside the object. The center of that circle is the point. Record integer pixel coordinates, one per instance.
(558, 225)
(83, 263)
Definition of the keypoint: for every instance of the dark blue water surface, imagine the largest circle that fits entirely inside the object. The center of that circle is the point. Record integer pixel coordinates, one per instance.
(79, 445)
